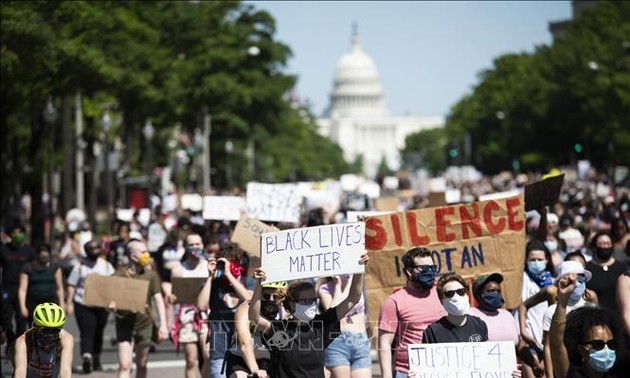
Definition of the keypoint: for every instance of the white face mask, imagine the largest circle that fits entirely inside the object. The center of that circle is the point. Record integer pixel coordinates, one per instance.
(458, 305)
(305, 313)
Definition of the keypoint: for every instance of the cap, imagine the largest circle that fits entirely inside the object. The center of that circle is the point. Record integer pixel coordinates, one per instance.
(480, 281)
(572, 267)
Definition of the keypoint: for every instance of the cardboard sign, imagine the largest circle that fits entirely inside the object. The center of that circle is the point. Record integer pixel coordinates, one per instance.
(187, 289)
(192, 202)
(459, 360)
(386, 203)
(128, 293)
(468, 239)
(437, 199)
(223, 207)
(313, 252)
(274, 202)
(543, 193)
(247, 234)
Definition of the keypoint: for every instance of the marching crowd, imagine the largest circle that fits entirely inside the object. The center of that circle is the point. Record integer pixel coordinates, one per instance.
(573, 321)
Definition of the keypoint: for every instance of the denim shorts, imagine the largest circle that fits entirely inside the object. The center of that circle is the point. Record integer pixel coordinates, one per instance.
(349, 349)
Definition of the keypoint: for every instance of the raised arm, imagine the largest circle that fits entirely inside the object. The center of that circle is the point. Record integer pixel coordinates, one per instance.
(240, 289)
(559, 354)
(356, 290)
(327, 299)
(203, 299)
(260, 323)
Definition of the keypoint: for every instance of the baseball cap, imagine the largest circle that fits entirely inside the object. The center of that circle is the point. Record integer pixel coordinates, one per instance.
(480, 281)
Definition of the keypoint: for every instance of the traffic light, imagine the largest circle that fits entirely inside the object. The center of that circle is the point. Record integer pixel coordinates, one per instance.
(453, 153)
(577, 148)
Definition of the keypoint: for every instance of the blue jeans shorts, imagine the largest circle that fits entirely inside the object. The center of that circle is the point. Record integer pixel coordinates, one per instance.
(349, 349)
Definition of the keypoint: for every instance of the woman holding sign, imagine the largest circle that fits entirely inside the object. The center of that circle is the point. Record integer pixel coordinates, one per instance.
(297, 344)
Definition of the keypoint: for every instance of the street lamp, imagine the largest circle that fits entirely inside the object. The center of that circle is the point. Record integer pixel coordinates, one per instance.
(148, 131)
(107, 124)
(50, 116)
(229, 147)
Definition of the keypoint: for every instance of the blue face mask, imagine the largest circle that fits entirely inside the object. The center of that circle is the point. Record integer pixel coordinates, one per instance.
(602, 360)
(580, 288)
(551, 245)
(424, 279)
(492, 301)
(536, 267)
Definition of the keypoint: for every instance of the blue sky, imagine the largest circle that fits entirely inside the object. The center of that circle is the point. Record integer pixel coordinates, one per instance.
(428, 54)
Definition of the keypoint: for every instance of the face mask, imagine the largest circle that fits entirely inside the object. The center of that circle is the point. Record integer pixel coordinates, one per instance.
(92, 256)
(144, 259)
(305, 313)
(457, 305)
(577, 293)
(492, 301)
(18, 239)
(602, 360)
(604, 253)
(551, 245)
(424, 279)
(46, 341)
(536, 267)
(269, 309)
(195, 251)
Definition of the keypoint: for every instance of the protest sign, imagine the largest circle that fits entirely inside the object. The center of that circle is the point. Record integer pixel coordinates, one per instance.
(313, 251)
(223, 207)
(128, 293)
(543, 193)
(453, 195)
(186, 289)
(468, 239)
(192, 202)
(463, 360)
(247, 234)
(125, 215)
(359, 216)
(274, 202)
(437, 199)
(386, 204)
(499, 195)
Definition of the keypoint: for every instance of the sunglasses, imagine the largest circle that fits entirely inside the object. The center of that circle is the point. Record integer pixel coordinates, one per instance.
(306, 301)
(425, 268)
(461, 292)
(600, 344)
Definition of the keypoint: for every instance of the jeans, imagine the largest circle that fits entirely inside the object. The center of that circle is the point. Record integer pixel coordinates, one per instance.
(349, 349)
(92, 322)
(216, 368)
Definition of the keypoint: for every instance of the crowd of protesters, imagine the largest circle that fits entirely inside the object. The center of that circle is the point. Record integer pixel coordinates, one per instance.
(574, 319)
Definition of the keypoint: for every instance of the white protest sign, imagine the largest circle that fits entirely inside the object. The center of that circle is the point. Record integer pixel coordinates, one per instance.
(499, 195)
(125, 215)
(274, 202)
(192, 202)
(354, 216)
(452, 195)
(463, 360)
(223, 207)
(313, 252)
(156, 236)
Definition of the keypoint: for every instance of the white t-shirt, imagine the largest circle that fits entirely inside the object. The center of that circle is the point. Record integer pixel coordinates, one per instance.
(81, 271)
(534, 319)
(551, 309)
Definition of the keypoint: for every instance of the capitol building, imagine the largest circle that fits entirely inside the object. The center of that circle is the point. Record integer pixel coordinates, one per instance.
(357, 118)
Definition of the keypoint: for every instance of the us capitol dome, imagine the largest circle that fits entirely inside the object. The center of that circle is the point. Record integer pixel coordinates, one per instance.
(357, 118)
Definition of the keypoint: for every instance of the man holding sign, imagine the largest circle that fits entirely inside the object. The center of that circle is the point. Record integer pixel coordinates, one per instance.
(297, 344)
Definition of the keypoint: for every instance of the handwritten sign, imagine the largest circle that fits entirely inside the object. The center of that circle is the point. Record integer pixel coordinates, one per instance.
(469, 239)
(463, 360)
(129, 294)
(274, 202)
(386, 204)
(187, 289)
(543, 193)
(247, 234)
(223, 207)
(313, 251)
(192, 202)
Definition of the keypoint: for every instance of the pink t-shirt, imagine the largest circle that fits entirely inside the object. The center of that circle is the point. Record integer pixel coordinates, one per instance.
(501, 326)
(359, 308)
(407, 313)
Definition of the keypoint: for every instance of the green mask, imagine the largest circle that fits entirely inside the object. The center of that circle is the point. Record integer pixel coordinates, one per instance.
(18, 239)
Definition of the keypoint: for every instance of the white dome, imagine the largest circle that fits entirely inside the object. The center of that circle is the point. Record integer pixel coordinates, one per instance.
(357, 87)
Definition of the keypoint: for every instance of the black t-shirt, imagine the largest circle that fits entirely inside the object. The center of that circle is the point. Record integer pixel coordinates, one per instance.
(297, 349)
(578, 372)
(443, 331)
(12, 260)
(604, 283)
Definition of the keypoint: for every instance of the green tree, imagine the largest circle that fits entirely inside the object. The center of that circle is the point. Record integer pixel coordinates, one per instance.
(425, 149)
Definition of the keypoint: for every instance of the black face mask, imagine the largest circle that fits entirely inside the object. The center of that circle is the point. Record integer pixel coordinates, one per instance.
(424, 279)
(269, 309)
(603, 253)
(92, 256)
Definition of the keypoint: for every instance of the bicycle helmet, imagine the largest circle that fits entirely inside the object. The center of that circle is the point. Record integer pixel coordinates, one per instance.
(49, 315)
(275, 285)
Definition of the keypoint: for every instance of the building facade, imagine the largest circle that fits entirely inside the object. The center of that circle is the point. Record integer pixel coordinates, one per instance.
(357, 118)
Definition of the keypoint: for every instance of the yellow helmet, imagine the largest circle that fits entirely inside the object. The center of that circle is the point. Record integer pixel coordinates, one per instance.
(276, 285)
(49, 315)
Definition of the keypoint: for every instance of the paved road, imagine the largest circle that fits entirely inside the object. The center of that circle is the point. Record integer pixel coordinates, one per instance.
(163, 363)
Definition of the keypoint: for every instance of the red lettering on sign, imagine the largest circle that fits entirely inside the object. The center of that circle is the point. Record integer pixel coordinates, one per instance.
(494, 228)
(513, 207)
(378, 239)
(412, 225)
(442, 224)
(396, 227)
(470, 221)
